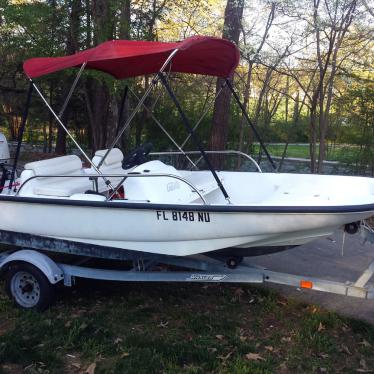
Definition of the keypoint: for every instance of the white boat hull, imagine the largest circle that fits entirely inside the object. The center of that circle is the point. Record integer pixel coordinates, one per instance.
(164, 216)
(162, 230)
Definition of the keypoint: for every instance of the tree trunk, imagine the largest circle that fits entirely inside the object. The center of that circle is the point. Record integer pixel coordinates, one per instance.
(124, 28)
(102, 118)
(123, 113)
(72, 46)
(247, 91)
(287, 97)
(313, 138)
(113, 114)
(221, 114)
(97, 100)
(88, 25)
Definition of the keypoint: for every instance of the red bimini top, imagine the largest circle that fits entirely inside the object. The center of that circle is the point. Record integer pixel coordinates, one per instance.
(126, 58)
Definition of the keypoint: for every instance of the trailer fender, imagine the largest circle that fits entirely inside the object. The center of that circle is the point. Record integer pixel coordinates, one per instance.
(46, 265)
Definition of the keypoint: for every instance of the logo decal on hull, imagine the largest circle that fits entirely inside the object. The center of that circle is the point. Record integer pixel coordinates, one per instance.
(207, 277)
(172, 186)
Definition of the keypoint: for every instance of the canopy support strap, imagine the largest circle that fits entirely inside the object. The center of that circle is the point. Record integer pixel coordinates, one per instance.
(257, 135)
(107, 181)
(20, 135)
(138, 106)
(193, 135)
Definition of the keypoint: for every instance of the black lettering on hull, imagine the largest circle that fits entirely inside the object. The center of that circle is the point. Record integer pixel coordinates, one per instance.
(181, 216)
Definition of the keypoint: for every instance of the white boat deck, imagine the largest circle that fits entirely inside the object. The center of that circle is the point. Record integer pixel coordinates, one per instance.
(64, 177)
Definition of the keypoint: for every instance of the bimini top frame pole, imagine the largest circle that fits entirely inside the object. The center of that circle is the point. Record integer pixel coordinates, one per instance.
(193, 135)
(150, 112)
(58, 119)
(138, 106)
(72, 88)
(257, 135)
(209, 107)
(124, 59)
(20, 136)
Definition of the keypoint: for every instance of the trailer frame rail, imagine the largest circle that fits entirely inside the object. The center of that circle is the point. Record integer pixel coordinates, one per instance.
(194, 269)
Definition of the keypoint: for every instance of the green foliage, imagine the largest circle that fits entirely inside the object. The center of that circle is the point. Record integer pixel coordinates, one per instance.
(355, 124)
(276, 103)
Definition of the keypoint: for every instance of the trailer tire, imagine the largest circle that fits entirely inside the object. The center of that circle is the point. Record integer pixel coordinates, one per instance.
(28, 287)
(352, 228)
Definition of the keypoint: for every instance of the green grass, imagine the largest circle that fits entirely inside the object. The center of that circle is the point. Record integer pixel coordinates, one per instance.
(178, 328)
(341, 153)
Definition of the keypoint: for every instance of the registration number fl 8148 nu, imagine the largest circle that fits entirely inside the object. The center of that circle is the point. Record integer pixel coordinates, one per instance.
(183, 216)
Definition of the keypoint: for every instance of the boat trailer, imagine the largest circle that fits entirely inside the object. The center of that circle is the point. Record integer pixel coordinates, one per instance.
(31, 275)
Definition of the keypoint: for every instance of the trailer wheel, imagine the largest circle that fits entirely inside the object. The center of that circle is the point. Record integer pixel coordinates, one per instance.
(352, 228)
(28, 287)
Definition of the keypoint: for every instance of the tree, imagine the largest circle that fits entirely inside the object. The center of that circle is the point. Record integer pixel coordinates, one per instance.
(302, 55)
(251, 61)
(221, 113)
(340, 18)
(72, 46)
(326, 25)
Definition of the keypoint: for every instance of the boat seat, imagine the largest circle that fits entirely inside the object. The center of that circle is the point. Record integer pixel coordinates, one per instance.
(112, 165)
(112, 162)
(48, 184)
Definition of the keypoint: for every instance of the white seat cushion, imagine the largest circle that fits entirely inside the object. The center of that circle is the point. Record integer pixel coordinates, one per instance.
(50, 184)
(63, 187)
(114, 157)
(56, 166)
(112, 165)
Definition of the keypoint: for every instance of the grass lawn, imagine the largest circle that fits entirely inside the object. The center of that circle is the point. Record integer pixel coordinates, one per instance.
(102, 327)
(342, 153)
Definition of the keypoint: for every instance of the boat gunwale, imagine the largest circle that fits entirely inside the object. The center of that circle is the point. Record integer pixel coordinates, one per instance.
(216, 208)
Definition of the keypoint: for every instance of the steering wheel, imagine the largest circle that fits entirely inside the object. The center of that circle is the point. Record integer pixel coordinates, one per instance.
(137, 156)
